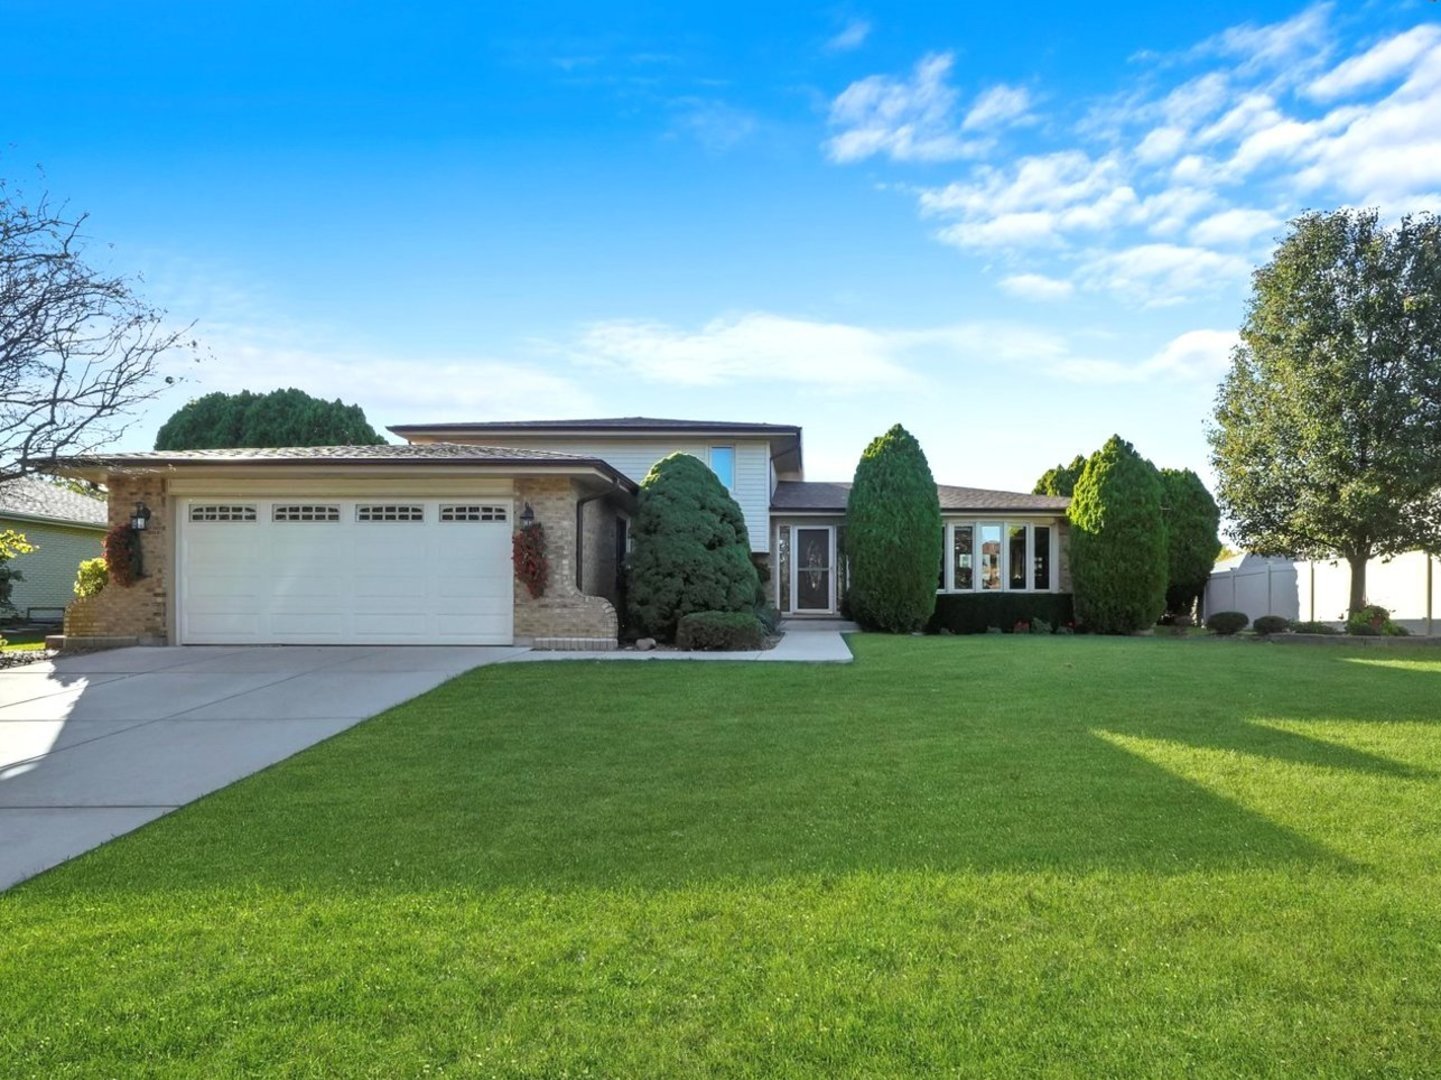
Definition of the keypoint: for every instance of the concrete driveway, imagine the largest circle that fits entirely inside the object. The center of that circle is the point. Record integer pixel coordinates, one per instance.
(94, 746)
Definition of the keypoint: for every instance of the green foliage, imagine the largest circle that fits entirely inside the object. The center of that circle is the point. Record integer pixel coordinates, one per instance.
(1226, 623)
(1327, 434)
(1061, 480)
(1119, 563)
(1192, 541)
(720, 631)
(92, 576)
(1374, 621)
(769, 616)
(279, 418)
(1300, 627)
(893, 536)
(1272, 624)
(690, 549)
(11, 544)
(1039, 626)
(975, 613)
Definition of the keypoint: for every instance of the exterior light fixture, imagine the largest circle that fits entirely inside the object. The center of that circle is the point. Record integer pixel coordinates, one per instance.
(140, 520)
(527, 517)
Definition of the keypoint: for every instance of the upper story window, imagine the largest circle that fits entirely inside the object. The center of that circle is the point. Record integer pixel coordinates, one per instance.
(723, 464)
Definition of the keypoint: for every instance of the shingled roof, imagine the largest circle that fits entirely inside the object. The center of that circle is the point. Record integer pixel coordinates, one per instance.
(32, 497)
(388, 454)
(807, 496)
(610, 423)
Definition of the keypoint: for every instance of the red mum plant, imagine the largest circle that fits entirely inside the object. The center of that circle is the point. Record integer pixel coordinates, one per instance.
(122, 555)
(527, 555)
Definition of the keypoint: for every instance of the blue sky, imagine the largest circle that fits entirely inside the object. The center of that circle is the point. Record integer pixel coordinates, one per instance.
(1014, 230)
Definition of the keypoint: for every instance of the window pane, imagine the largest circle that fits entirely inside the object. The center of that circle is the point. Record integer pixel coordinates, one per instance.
(990, 556)
(963, 551)
(1043, 557)
(723, 464)
(1017, 566)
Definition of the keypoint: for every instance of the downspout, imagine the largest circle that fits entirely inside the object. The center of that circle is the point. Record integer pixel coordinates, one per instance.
(580, 532)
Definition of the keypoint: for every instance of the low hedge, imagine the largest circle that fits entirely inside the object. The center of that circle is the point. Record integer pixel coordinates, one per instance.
(720, 631)
(975, 613)
(1226, 623)
(1267, 625)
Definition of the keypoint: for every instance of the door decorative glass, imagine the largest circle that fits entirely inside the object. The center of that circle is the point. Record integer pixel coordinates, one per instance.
(813, 570)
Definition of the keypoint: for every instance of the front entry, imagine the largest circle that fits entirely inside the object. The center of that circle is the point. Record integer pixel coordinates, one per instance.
(813, 562)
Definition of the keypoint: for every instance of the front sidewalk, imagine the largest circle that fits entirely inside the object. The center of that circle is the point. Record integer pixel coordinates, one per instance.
(797, 646)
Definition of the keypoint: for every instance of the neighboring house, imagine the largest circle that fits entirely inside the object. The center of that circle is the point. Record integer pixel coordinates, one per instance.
(66, 528)
(1408, 585)
(411, 543)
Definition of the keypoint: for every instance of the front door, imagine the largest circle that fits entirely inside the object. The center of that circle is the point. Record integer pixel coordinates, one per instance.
(813, 579)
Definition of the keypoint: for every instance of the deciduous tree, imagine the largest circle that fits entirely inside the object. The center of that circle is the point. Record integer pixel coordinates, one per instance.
(1327, 434)
(79, 348)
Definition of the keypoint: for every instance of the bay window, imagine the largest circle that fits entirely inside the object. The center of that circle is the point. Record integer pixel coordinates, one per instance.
(995, 556)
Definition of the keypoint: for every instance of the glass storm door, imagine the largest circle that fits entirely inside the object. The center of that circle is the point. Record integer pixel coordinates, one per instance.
(813, 552)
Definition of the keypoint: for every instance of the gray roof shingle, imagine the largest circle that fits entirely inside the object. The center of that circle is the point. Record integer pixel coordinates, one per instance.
(825, 495)
(409, 453)
(36, 497)
(610, 423)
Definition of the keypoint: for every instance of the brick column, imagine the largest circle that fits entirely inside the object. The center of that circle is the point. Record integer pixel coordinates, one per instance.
(139, 610)
(564, 611)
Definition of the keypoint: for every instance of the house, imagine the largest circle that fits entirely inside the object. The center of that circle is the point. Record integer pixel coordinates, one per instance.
(411, 543)
(66, 527)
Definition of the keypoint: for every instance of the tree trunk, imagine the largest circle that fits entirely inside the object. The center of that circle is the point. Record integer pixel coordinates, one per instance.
(1358, 581)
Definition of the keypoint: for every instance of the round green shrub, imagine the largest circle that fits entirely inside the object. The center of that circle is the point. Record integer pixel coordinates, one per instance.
(1119, 564)
(1374, 621)
(1226, 623)
(893, 536)
(1272, 624)
(1313, 628)
(690, 549)
(91, 576)
(720, 631)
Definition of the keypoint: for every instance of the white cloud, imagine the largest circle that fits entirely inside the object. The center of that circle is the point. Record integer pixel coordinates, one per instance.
(904, 119)
(756, 345)
(1387, 60)
(853, 36)
(1196, 355)
(1233, 228)
(1155, 275)
(997, 106)
(1301, 41)
(1037, 287)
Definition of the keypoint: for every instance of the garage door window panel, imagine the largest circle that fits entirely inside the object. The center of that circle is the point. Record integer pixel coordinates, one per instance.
(305, 512)
(368, 513)
(460, 513)
(222, 513)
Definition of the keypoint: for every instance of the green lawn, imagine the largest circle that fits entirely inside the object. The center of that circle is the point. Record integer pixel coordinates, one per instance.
(982, 856)
(22, 640)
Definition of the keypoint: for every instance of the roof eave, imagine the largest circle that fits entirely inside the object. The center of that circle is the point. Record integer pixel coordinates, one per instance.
(45, 519)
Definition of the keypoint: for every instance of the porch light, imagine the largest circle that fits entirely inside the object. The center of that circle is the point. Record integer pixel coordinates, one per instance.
(141, 518)
(527, 517)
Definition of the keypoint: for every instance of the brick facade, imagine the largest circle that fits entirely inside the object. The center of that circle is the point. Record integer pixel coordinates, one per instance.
(138, 610)
(564, 611)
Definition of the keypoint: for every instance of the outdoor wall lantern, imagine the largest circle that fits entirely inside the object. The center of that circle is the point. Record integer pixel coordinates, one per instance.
(527, 517)
(141, 518)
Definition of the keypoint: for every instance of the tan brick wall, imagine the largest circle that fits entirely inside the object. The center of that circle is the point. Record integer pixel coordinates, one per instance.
(136, 610)
(564, 611)
(598, 572)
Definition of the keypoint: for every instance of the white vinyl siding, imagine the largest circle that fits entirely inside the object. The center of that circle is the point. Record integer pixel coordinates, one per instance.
(634, 457)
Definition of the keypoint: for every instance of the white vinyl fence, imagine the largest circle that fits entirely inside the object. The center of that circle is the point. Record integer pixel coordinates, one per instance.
(1318, 591)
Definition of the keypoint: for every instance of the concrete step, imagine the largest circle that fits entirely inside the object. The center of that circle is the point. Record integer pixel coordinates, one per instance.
(801, 625)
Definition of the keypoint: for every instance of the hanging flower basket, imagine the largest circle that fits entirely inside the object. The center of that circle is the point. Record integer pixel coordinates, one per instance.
(122, 555)
(527, 554)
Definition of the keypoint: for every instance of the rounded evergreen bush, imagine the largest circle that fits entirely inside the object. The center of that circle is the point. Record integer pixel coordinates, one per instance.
(1226, 623)
(720, 631)
(1272, 624)
(690, 549)
(1119, 562)
(893, 536)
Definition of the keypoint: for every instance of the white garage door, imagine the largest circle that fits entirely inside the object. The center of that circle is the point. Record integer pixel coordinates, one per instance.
(344, 571)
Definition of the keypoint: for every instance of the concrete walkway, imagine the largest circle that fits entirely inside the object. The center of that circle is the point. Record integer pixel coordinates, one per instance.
(94, 746)
(797, 646)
